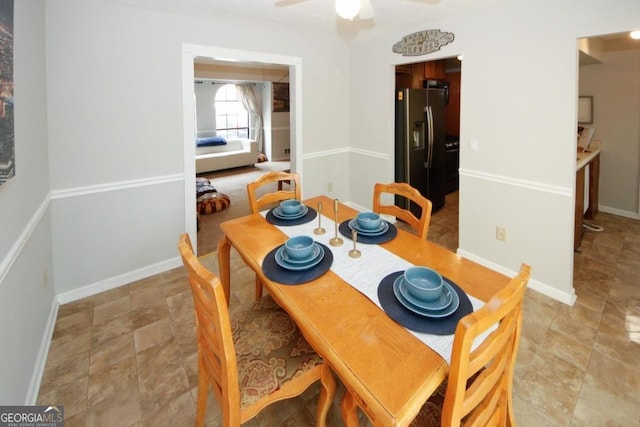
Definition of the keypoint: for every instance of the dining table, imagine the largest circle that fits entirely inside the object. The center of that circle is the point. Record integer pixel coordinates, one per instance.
(388, 369)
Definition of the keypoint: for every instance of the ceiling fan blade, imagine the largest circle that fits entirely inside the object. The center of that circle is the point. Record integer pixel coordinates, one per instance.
(284, 3)
(366, 10)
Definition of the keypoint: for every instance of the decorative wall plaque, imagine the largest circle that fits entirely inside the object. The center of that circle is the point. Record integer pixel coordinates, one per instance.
(422, 42)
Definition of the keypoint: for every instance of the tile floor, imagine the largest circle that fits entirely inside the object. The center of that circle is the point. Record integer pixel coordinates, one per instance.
(127, 357)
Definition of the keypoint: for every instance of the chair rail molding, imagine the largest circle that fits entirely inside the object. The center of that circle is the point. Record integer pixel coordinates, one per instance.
(516, 182)
(115, 186)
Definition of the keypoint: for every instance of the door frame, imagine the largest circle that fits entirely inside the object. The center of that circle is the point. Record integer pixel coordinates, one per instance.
(189, 53)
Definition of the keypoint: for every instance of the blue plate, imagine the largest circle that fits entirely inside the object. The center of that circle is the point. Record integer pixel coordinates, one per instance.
(353, 224)
(443, 302)
(277, 212)
(280, 258)
(426, 312)
(316, 251)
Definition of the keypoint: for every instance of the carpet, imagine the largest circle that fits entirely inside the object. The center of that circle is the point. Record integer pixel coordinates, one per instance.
(233, 183)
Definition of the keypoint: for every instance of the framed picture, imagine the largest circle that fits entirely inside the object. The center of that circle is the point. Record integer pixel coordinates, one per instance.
(7, 136)
(280, 97)
(585, 109)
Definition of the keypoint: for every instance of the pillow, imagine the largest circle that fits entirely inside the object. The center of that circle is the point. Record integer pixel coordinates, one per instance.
(211, 141)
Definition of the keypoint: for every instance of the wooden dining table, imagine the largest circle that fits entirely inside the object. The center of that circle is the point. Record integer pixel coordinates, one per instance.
(387, 370)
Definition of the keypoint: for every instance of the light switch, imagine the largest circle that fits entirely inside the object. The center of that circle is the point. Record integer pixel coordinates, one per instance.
(474, 144)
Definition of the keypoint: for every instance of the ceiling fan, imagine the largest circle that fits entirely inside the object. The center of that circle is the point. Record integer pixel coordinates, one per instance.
(347, 9)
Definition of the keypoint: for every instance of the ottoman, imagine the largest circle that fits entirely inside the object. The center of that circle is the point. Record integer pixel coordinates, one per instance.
(212, 202)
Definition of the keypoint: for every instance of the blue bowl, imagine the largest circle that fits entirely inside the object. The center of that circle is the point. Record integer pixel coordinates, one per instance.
(290, 206)
(299, 247)
(369, 220)
(423, 283)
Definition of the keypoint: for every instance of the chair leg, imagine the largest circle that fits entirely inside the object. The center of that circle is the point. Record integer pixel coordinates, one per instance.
(203, 391)
(327, 393)
(258, 288)
(349, 410)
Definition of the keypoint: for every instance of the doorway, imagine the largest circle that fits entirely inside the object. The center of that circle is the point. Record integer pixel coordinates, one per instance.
(190, 53)
(607, 73)
(444, 74)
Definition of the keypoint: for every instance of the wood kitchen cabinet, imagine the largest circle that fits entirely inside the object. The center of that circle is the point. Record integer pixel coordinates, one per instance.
(435, 70)
(413, 75)
(417, 75)
(591, 160)
(452, 110)
(403, 76)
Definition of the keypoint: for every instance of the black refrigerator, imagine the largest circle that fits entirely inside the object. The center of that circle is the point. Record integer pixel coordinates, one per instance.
(420, 144)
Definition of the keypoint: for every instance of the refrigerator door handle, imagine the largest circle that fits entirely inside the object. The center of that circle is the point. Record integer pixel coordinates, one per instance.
(429, 114)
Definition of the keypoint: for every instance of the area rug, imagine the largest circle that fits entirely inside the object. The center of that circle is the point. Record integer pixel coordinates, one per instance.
(233, 183)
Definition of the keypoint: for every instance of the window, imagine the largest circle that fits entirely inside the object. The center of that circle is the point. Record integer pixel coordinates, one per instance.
(232, 120)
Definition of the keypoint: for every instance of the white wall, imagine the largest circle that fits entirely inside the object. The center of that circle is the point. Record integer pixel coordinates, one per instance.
(27, 307)
(519, 93)
(117, 133)
(115, 151)
(615, 87)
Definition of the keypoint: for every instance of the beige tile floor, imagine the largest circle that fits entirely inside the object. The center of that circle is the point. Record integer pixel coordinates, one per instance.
(127, 357)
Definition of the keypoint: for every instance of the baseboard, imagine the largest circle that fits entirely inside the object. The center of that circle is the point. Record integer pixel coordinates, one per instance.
(117, 281)
(568, 298)
(619, 212)
(43, 352)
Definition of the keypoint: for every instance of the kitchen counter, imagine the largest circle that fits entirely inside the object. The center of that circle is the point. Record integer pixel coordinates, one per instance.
(583, 158)
(591, 159)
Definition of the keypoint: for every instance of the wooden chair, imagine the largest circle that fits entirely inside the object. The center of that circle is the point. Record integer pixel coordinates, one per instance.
(478, 390)
(420, 225)
(479, 387)
(254, 360)
(259, 199)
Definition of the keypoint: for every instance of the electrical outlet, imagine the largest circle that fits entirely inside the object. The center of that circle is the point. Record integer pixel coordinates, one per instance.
(501, 234)
(45, 278)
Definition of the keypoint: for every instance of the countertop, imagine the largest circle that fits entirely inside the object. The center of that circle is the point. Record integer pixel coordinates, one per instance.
(583, 158)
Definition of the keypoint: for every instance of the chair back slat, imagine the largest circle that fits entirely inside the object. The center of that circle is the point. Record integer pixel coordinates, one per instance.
(488, 399)
(258, 199)
(216, 351)
(419, 224)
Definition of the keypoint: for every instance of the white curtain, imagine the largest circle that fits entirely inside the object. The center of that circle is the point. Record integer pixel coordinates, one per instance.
(250, 103)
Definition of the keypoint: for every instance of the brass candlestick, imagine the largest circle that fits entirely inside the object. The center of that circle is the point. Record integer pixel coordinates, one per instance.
(319, 229)
(336, 241)
(354, 253)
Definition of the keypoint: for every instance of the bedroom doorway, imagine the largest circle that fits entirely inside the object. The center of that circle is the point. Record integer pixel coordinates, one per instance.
(193, 53)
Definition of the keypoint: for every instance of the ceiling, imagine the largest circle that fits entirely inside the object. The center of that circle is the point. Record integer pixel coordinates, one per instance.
(318, 15)
(608, 43)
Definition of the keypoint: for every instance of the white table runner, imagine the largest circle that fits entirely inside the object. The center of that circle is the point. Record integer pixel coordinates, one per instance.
(379, 263)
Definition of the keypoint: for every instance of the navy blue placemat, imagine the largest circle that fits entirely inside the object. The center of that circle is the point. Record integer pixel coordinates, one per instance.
(279, 274)
(309, 216)
(388, 235)
(415, 322)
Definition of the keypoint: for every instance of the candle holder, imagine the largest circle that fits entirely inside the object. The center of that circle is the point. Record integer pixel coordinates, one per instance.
(319, 230)
(336, 241)
(354, 253)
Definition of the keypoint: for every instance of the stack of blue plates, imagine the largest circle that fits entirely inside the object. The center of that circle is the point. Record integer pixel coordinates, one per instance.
(286, 262)
(440, 307)
(384, 227)
(277, 212)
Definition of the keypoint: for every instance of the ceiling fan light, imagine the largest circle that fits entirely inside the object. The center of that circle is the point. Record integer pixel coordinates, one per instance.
(347, 9)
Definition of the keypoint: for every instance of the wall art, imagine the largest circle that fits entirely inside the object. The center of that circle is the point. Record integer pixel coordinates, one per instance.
(7, 135)
(422, 42)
